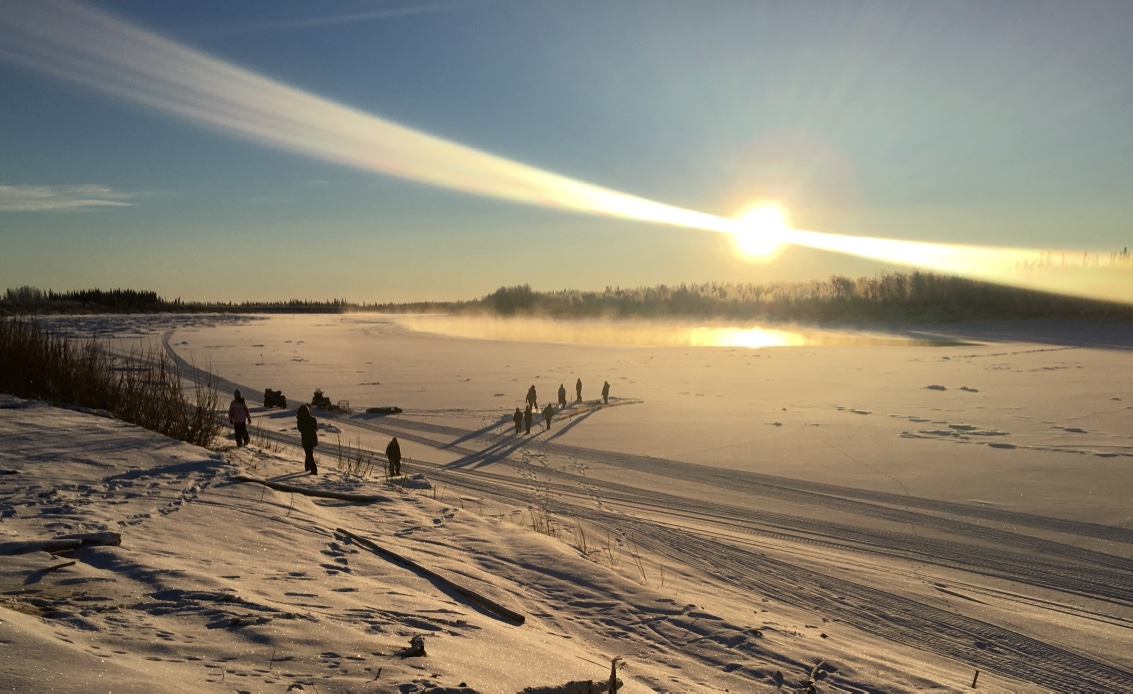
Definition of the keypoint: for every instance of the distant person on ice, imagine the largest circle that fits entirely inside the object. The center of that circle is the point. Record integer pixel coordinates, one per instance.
(308, 428)
(393, 452)
(548, 412)
(240, 417)
(578, 390)
(518, 419)
(605, 392)
(562, 395)
(531, 398)
(527, 418)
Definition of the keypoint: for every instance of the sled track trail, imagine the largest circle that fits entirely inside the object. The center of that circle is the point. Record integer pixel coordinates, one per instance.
(888, 616)
(892, 617)
(1016, 556)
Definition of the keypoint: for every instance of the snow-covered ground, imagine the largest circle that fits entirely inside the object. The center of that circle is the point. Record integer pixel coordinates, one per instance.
(879, 514)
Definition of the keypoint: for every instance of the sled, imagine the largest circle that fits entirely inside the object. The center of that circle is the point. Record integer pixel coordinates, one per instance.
(341, 407)
(388, 409)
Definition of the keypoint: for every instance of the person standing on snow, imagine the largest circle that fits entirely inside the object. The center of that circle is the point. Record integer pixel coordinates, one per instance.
(578, 390)
(605, 392)
(308, 428)
(393, 452)
(562, 395)
(518, 419)
(527, 418)
(548, 412)
(240, 417)
(531, 400)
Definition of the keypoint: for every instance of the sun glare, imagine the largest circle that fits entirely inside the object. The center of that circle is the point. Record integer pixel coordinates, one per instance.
(84, 45)
(761, 229)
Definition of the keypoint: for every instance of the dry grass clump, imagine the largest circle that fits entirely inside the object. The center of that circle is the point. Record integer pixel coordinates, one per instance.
(143, 388)
(353, 459)
(260, 438)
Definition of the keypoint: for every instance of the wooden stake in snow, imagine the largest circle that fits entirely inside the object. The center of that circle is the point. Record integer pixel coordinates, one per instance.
(487, 603)
(416, 648)
(615, 683)
(975, 678)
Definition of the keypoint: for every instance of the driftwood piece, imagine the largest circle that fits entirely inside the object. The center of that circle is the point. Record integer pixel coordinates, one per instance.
(307, 491)
(62, 543)
(25, 546)
(575, 687)
(472, 595)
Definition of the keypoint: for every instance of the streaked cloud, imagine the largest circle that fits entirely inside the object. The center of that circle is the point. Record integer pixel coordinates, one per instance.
(98, 51)
(334, 20)
(44, 198)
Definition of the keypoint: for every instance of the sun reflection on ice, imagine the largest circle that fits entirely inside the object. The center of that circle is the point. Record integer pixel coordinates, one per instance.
(753, 338)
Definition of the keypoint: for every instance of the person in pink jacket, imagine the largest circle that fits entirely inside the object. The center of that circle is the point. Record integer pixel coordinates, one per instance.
(240, 417)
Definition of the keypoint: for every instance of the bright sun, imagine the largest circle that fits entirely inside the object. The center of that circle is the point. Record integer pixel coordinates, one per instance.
(763, 226)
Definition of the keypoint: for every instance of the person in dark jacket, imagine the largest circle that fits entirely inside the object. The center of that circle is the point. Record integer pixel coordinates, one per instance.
(527, 418)
(605, 392)
(518, 419)
(578, 390)
(393, 452)
(548, 412)
(308, 428)
(532, 401)
(240, 417)
(562, 395)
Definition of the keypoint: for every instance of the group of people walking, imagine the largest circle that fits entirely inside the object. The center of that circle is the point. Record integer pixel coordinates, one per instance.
(308, 427)
(522, 418)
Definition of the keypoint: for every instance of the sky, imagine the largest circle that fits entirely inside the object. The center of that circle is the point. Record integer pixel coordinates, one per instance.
(396, 151)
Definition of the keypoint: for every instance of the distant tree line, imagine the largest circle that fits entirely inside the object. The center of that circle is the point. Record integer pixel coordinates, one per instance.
(113, 301)
(889, 297)
(895, 296)
(27, 299)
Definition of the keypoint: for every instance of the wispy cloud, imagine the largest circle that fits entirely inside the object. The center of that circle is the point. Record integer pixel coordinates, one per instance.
(43, 198)
(333, 20)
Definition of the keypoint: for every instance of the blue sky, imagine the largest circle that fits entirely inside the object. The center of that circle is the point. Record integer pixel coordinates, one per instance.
(998, 123)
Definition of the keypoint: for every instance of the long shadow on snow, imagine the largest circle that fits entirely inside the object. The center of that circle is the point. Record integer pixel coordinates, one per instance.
(572, 423)
(479, 432)
(492, 453)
